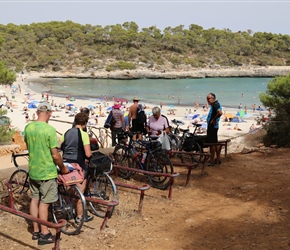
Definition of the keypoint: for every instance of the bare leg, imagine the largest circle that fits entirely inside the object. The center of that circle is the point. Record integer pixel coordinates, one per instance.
(218, 154)
(43, 215)
(34, 212)
(212, 153)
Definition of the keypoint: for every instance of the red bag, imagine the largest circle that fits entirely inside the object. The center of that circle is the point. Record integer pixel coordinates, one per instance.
(74, 177)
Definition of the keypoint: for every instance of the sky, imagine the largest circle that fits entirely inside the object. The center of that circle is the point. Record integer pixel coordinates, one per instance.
(258, 16)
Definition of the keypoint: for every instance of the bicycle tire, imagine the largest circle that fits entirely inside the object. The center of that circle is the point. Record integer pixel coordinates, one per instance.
(101, 187)
(174, 143)
(159, 162)
(65, 208)
(197, 149)
(124, 157)
(19, 182)
(93, 135)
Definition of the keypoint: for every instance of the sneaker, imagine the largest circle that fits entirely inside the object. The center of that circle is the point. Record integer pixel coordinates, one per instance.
(78, 220)
(89, 218)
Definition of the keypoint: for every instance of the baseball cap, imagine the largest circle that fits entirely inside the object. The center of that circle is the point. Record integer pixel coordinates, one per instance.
(43, 107)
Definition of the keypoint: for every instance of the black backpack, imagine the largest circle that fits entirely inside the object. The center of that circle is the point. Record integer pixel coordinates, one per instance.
(141, 117)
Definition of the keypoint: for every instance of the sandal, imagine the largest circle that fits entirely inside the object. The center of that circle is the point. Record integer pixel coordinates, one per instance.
(46, 239)
(210, 164)
(35, 235)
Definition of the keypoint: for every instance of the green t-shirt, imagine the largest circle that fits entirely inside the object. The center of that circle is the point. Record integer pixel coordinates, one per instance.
(40, 138)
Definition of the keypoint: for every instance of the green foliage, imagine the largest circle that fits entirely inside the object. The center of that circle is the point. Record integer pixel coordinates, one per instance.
(121, 65)
(59, 44)
(277, 97)
(6, 75)
(5, 132)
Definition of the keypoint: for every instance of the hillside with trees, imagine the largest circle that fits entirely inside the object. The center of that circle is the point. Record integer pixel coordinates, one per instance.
(57, 46)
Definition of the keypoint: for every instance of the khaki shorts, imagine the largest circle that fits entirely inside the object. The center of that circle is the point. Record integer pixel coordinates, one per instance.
(45, 191)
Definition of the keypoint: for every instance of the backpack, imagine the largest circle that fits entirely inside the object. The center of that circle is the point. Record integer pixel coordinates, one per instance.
(141, 117)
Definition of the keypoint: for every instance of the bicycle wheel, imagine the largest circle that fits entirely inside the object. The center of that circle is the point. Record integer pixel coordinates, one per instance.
(124, 157)
(159, 162)
(101, 187)
(65, 208)
(174, 143)
(19, 182)
(197, 149)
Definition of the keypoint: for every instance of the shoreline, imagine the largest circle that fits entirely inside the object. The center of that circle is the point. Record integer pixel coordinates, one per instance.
(141, 73)
(226, 130)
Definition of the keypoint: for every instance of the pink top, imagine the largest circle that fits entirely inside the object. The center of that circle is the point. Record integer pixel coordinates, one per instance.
(157, 125)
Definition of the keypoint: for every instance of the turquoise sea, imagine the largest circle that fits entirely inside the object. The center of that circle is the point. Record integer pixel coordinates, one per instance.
(229, 91)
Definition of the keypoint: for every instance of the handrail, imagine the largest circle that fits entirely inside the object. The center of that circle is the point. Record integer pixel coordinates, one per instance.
(220, 143)
(189, 166)
(171, 176)
(61, 223)
(142, 188)
(109, 204)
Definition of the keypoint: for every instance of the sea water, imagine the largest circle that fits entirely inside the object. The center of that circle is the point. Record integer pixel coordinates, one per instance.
(231, 92)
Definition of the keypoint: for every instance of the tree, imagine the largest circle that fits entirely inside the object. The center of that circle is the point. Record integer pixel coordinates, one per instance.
(6, 75)
(277, 98)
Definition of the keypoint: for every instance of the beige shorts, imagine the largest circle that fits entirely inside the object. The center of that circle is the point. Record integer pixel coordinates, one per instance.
(45, 191)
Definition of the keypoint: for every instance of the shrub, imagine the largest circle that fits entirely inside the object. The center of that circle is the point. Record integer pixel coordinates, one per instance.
(6, 134)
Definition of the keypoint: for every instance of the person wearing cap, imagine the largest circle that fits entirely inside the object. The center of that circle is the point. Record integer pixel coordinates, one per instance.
(132, 117)
(119, 122)
(42, 144)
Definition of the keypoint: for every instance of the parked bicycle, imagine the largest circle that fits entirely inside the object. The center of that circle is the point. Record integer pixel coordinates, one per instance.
(145, 155)
(189, 142)
(99, 185)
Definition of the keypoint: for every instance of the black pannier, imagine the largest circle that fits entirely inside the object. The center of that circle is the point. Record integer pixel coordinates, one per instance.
(101, 163)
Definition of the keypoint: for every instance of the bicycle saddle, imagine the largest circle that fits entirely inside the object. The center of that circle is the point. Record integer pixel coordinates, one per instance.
(184, 130)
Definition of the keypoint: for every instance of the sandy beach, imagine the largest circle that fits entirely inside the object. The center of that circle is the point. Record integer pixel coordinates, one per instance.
(20, 96)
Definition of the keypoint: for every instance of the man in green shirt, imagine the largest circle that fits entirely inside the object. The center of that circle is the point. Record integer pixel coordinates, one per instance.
(42, 145)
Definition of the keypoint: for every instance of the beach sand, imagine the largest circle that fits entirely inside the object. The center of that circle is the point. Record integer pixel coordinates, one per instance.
(20, 99)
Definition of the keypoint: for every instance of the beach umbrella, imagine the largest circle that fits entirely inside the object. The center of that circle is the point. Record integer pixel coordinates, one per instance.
(91, 106)
(229, 115)
(109, 109)
(120, 100)
(70, 105)
(171, 106)
(195, 116)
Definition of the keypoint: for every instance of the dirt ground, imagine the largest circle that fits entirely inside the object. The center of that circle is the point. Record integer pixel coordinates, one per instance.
(241, 204)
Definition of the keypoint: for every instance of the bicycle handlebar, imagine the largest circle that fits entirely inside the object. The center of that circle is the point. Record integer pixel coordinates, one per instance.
(14, 156)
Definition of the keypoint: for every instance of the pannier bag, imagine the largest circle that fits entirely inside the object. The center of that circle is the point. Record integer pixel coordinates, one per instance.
(75, 176)
(101, 163)
(188, 144)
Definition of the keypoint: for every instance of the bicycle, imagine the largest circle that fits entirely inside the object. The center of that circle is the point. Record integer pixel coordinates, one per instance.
(99, 185)
(189, 142)
(146, 155)
(104, 135)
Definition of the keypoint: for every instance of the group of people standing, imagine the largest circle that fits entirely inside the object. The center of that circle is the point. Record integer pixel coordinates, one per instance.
(43, 145)
(136, 123)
